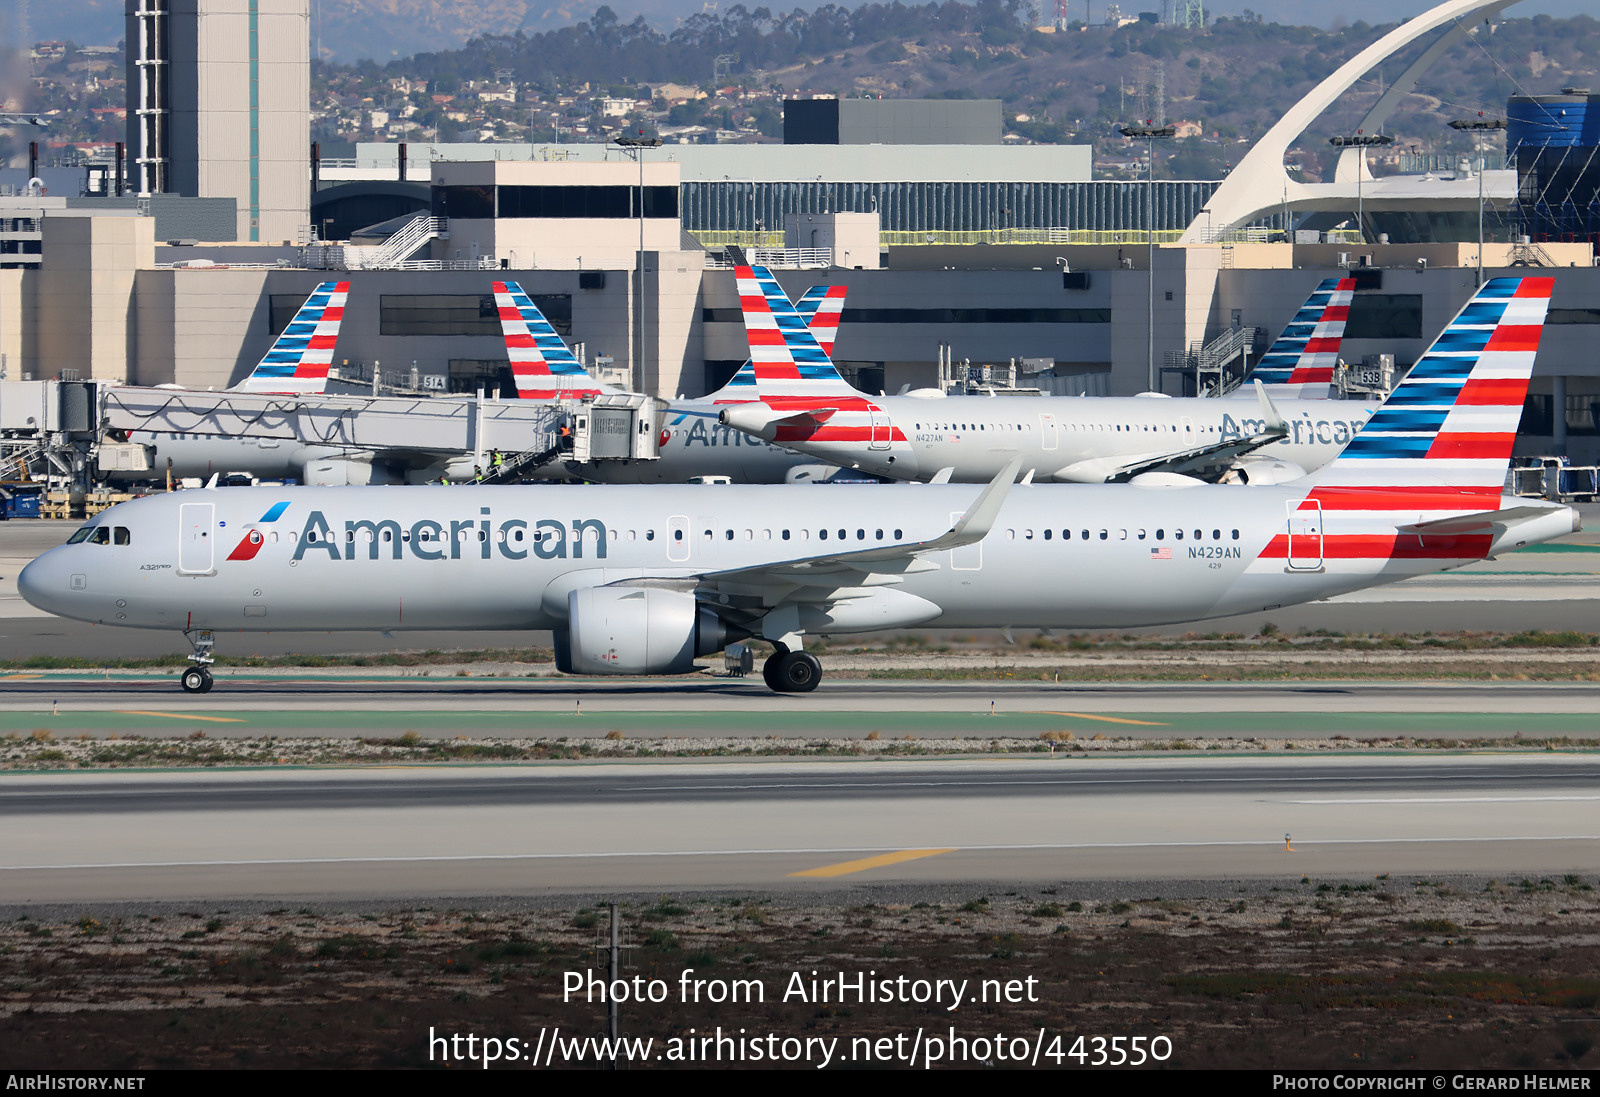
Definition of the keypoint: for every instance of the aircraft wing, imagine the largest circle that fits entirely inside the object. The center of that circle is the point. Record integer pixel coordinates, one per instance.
(1199, 461)
(824, 577)
(1196, 461)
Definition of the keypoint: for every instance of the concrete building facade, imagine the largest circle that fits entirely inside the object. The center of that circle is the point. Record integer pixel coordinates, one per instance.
(217, 106)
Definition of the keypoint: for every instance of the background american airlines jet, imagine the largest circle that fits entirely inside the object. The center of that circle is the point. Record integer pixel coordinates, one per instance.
(636, 580)
(693, 440)
(296, 364)
(1301, 361)
(806, 405)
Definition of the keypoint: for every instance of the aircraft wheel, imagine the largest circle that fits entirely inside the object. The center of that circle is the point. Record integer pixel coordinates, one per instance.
(797, 672)
(196, 680)
(208, 683)
(769, 671)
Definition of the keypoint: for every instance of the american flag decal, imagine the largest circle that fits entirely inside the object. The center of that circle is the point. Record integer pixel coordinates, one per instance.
(1163, 553)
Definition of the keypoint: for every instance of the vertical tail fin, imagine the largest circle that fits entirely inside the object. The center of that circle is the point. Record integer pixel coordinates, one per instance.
(1301, 360)
(297, 363)
(541, 363)
(819, 307)
(787, 357)
(1452, 421)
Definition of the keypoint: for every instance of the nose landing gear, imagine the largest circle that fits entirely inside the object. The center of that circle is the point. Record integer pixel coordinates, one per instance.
(197, 679)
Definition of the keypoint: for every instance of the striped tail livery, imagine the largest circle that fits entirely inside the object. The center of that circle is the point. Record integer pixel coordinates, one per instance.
(803, 398)
(819, 307)
(298, 362)
(541, 363)
(787, 356)
(1301, 361)
(1419, 488)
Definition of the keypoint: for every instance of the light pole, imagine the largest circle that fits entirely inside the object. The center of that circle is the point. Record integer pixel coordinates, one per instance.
(1362, 141)
(1479, 127)
(1150, 134)
(634, 147)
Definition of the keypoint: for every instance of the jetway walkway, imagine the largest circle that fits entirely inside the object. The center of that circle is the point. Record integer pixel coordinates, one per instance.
(378, 424)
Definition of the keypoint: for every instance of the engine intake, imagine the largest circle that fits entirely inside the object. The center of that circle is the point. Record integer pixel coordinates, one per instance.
(638, 630)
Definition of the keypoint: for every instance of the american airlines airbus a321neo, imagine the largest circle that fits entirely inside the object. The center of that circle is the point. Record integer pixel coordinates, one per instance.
(641, 580)
(806, 405)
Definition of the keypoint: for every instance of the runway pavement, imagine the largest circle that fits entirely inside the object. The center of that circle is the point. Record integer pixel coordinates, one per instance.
(501, 831)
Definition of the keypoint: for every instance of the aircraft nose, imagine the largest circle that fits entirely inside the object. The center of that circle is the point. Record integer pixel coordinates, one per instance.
(43, 583)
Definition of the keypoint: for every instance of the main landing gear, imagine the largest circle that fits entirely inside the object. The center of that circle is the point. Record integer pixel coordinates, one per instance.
(791, 671)
(197, 679)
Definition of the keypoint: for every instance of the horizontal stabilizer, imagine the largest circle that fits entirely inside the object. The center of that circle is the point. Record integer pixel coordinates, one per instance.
(1479, 521)
(763, 420)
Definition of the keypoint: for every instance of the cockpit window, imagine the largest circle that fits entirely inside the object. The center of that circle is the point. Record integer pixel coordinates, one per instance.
(80, 534)
(120, 535)
(100, 536)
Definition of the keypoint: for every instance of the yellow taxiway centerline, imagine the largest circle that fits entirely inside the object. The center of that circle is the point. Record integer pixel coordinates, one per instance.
(1106, 719)
(182, 716)
(845, 868)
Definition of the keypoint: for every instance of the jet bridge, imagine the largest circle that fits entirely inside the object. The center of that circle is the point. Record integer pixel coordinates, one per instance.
(383, 425)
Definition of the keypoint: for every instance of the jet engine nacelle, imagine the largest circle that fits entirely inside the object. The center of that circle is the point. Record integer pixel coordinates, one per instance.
(338, 472)
(1262, 470)
(637, 630)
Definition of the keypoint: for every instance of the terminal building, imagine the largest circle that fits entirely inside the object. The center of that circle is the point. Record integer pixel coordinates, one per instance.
(1000, 256)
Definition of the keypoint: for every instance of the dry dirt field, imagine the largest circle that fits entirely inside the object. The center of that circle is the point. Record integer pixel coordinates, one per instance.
(1377, 973)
